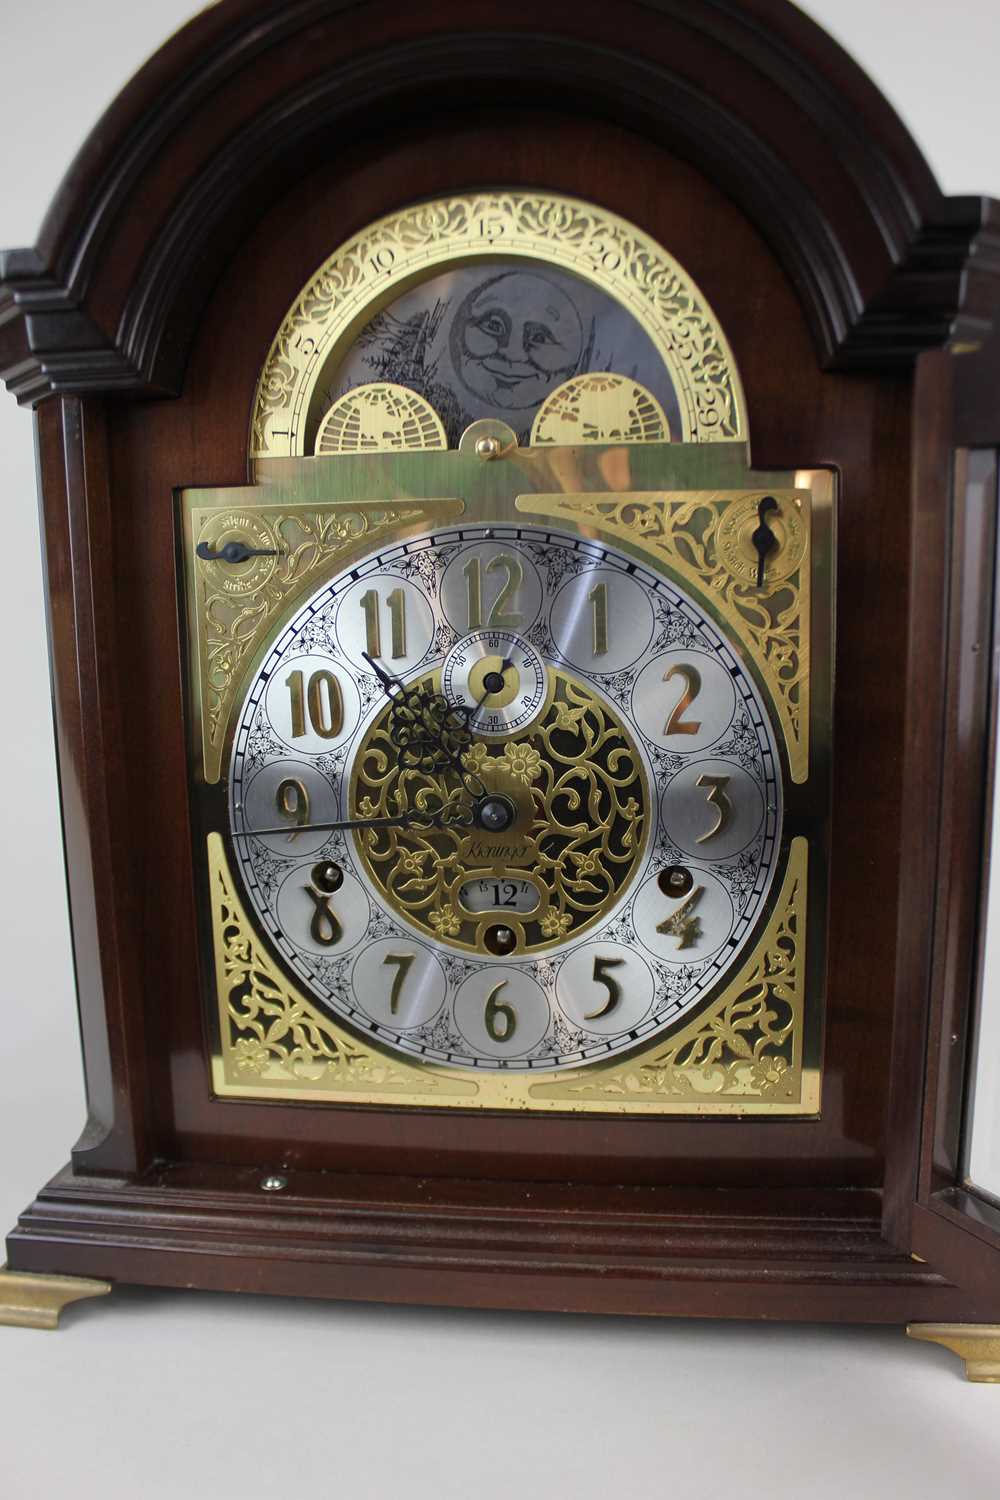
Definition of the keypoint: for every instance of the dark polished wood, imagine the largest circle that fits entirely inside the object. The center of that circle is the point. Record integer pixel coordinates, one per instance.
(743, 139)
(243, 101)
(860, 422)
(811, 1255)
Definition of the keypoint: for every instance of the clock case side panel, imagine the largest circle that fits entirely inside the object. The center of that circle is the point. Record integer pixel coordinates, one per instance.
(942, 1216)
(88, 706)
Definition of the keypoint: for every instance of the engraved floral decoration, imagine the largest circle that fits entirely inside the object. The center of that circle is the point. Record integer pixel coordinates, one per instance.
(578, 236)
(684, 531)
(271, 1031)
(577, 783)
(230, 626)
(271, 1034)
(747, 1044)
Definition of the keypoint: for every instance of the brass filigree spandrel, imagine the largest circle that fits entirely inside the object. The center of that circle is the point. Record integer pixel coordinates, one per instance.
(702, 536)
(271, 1037)
(235, 607)
(744, 1054)
(747, 1044)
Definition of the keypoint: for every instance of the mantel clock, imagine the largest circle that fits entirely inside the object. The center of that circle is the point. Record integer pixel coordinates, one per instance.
(509, 492)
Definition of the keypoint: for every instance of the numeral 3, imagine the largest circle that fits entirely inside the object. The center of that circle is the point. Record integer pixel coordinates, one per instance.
(717, 797)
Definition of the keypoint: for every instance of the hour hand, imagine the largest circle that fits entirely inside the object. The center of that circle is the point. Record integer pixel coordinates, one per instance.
(390, 683)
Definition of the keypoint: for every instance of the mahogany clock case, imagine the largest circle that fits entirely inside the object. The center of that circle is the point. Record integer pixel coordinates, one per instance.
(859, 304)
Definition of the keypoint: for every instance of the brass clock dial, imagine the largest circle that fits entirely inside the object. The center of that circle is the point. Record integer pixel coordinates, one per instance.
(505, 712)
(574, 850)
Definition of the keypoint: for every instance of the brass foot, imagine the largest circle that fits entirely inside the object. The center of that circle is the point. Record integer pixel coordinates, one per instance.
(976, 1344)
(30, 1301)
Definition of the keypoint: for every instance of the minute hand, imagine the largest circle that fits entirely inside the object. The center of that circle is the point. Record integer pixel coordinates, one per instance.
(442, 819)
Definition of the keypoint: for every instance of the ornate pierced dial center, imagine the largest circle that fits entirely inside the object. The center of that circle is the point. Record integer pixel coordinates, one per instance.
(566, 800)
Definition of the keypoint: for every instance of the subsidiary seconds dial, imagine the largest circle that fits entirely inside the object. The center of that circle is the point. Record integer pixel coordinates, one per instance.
(498, 675)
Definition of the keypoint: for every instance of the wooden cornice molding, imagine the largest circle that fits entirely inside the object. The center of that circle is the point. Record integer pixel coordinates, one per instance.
(250, 94)
(48, 342)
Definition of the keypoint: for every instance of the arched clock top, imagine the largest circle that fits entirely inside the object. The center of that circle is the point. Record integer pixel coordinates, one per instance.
(758, 98)
(485, 304)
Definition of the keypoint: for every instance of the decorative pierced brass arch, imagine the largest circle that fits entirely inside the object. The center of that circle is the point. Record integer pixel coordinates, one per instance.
(395, 253)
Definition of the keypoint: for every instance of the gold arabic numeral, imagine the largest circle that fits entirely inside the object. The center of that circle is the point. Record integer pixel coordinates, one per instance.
(293, 683)
(508, 594)
(373, 635)
(382, 261)
(497, 1010)
(598, 600)
(292, 801)
(498, 616)
(324, 928)
(403, 962)
(324, 700)
(614, 989)
(682, 923)
(719, 800)
(474, 583)
(677, 724)
(607, 257)
(397, 615)
(326, 709)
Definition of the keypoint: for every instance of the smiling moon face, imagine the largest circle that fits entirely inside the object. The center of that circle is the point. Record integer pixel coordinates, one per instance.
(514, 339)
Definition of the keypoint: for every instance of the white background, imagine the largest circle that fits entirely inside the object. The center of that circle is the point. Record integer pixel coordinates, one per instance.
(186, 1394)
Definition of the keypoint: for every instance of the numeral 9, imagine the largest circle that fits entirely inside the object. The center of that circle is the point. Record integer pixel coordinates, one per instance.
(292, 801)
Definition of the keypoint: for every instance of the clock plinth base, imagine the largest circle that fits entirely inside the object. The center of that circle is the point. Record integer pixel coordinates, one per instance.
(976, 1344)
(28, 1300)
